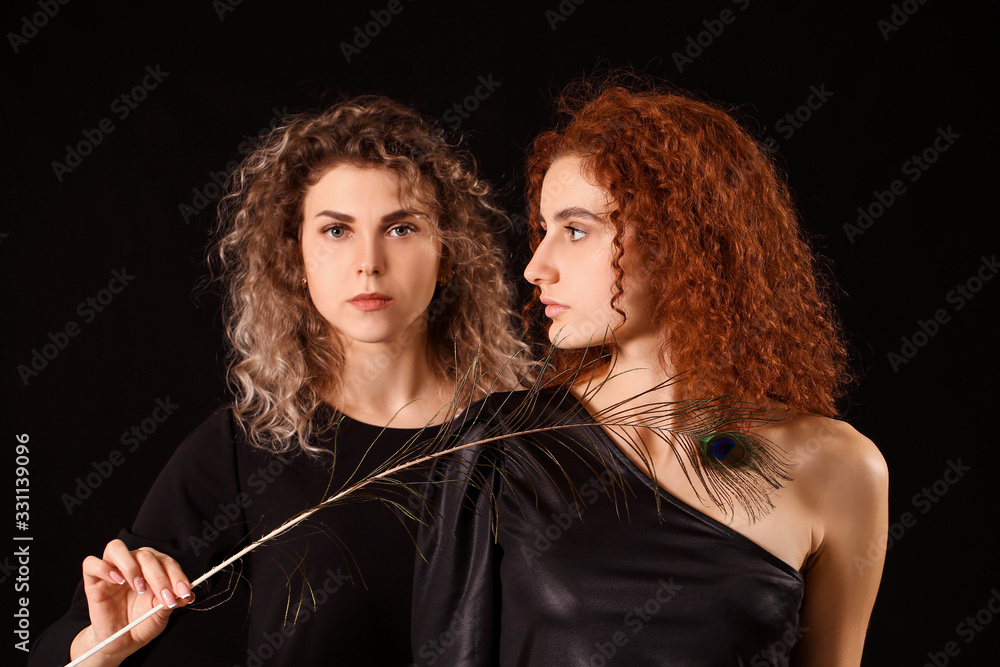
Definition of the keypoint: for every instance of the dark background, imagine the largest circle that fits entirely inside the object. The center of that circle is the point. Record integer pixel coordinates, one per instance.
(231, 66)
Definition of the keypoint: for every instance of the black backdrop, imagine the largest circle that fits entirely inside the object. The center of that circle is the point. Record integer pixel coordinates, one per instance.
(869, 87)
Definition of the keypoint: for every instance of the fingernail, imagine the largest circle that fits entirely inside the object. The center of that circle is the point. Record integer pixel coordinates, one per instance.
(117, 578)
(184, 590)
(140, 585)
(168, 598)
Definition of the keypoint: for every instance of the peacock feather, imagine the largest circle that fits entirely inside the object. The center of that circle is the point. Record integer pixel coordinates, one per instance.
(711, 439)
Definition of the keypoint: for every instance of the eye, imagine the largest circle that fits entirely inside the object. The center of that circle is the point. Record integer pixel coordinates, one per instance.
(335, 231)
(575, 234)
(402, 230)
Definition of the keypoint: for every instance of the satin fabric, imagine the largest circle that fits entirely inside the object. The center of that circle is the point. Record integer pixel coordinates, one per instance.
(551, 550)
(333, 591)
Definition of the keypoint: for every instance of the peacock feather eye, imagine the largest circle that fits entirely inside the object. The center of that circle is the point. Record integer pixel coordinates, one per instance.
(724, 448)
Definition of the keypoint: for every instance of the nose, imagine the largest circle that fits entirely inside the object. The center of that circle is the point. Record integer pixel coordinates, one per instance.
(371, 257)
(541, 269)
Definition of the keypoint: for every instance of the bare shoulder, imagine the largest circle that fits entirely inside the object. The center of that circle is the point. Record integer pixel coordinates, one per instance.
(830, 458)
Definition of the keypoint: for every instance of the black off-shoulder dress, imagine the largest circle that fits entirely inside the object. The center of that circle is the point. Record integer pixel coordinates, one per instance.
(583, 568)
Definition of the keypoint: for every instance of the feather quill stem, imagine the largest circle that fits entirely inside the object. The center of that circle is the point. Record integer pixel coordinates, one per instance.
(657, 414)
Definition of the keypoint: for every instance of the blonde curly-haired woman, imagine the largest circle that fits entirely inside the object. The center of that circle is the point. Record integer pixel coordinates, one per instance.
(363, 280)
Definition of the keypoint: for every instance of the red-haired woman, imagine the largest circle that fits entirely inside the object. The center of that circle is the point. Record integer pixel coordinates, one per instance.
(665, 237)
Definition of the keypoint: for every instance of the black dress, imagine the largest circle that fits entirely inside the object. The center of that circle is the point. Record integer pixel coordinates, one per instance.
(217, 493)
(584, 569)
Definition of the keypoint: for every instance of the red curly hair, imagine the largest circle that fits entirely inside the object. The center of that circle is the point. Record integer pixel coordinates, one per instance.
(736, 289)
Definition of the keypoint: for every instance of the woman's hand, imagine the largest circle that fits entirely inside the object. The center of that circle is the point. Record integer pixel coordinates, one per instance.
(121, 587)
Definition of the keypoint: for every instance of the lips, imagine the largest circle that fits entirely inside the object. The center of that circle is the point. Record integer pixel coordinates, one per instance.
(369, 301)
(553, 307)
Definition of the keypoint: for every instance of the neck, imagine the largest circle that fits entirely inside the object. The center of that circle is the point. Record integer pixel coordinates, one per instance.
(392, 381)
(637, 425)
(637, 368)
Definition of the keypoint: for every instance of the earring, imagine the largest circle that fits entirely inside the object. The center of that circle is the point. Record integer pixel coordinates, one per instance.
(304, 282)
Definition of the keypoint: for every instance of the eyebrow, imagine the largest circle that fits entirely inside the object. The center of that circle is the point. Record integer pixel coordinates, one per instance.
(576, 212)
(343, 217)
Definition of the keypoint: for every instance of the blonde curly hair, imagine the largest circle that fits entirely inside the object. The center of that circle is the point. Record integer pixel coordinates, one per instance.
(283, 358)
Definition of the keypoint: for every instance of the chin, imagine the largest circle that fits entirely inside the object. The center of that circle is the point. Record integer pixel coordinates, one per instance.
(367, 334)
(564, 339)
(572, 340)
(380, 336)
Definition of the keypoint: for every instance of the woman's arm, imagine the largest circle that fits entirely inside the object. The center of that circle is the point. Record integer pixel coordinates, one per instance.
(199, 478)
(847, 485)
